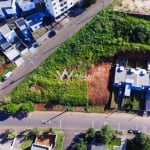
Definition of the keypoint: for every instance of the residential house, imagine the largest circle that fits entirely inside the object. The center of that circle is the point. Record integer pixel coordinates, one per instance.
(10, 51)
(34, 21)
(131, 79)
(44, 142)
(23, 32)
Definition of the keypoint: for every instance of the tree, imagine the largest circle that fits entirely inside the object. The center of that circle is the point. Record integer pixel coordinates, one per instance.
(10, 134)
(27, 106)
(105, 135)
(81, 145)
(12, 108)
(89, 135)
(140, 142)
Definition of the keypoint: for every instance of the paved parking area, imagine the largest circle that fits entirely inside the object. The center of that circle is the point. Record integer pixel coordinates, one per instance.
(6, 145)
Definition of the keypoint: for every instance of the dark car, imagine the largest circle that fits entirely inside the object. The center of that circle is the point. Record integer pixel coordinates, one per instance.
(75, 12)
(130, 131)
(51, 33)
(137, 132)
(134, 131)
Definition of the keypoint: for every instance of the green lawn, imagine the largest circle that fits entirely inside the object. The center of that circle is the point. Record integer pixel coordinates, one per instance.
(113, 100)
(60, 139)
(114, 142)
(27, 143)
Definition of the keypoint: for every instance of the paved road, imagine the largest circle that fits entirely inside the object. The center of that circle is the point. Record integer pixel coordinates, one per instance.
(73, 123)
(79, 121)
(49, 46)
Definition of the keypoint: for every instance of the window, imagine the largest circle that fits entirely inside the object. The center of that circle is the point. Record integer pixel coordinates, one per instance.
(62, 9)
(65, 2)
(61, 5)
(66, 7)
(54, 4)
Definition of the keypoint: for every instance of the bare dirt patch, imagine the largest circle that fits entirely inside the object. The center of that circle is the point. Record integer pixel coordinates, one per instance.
(37, 87)
(134, 6)
(98, 80)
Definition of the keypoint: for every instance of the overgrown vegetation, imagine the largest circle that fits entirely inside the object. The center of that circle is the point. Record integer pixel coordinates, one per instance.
(140, 142)
(106, 136)
(107, 33)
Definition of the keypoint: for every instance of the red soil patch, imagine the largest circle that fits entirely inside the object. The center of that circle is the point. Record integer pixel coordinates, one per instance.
(98, 78)
(1, 69)
(39, 107)
(37, 87)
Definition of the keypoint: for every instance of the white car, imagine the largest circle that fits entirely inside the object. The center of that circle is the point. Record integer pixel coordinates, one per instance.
(7, 75)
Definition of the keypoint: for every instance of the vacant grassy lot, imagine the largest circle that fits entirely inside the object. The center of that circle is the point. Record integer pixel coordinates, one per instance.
(106, 34)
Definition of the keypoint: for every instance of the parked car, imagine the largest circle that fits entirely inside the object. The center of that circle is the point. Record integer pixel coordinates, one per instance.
(7, 75)
(75, 11)
(137, 132)
(134, 131)
(130, 131)
(51, 33)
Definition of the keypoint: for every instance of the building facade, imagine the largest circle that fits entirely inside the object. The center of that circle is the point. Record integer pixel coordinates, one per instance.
(58, 7)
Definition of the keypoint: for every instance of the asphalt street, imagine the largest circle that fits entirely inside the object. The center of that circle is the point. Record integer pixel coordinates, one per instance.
(79, 121)
(48, 46)
(74, 123)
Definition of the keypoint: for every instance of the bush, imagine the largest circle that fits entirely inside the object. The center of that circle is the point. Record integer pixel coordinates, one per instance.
(12, 108)
(27, 106)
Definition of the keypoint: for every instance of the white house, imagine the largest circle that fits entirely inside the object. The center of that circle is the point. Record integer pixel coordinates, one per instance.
(58, 7)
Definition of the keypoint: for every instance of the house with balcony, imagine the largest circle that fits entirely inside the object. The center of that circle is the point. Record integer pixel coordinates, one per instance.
(10, 51)
(24, 32)
(58, 7)
(131, 80)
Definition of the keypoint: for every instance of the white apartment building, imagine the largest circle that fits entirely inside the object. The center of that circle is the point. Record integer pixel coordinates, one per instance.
(57, 7)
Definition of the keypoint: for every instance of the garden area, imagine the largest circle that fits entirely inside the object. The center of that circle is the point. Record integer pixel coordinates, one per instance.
(106, 137)
(88, 53)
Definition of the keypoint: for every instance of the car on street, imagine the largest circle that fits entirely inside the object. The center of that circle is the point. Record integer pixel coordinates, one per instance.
(52, 33)
(137, 132)
(7, 75)
(130, 131)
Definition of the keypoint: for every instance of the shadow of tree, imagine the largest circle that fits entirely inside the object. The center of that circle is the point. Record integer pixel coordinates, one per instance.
(4, 115)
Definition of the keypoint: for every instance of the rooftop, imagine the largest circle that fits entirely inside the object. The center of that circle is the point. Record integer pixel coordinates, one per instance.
(35, 18)
(138, 77)
(44, 142)
(3, 42)
(26, 5)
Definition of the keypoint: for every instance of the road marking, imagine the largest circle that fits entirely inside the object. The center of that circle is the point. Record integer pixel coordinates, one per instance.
(105, 123)
(136, 127)
(144, 129)
(92, 124)
(60, 124)
(118, 125)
